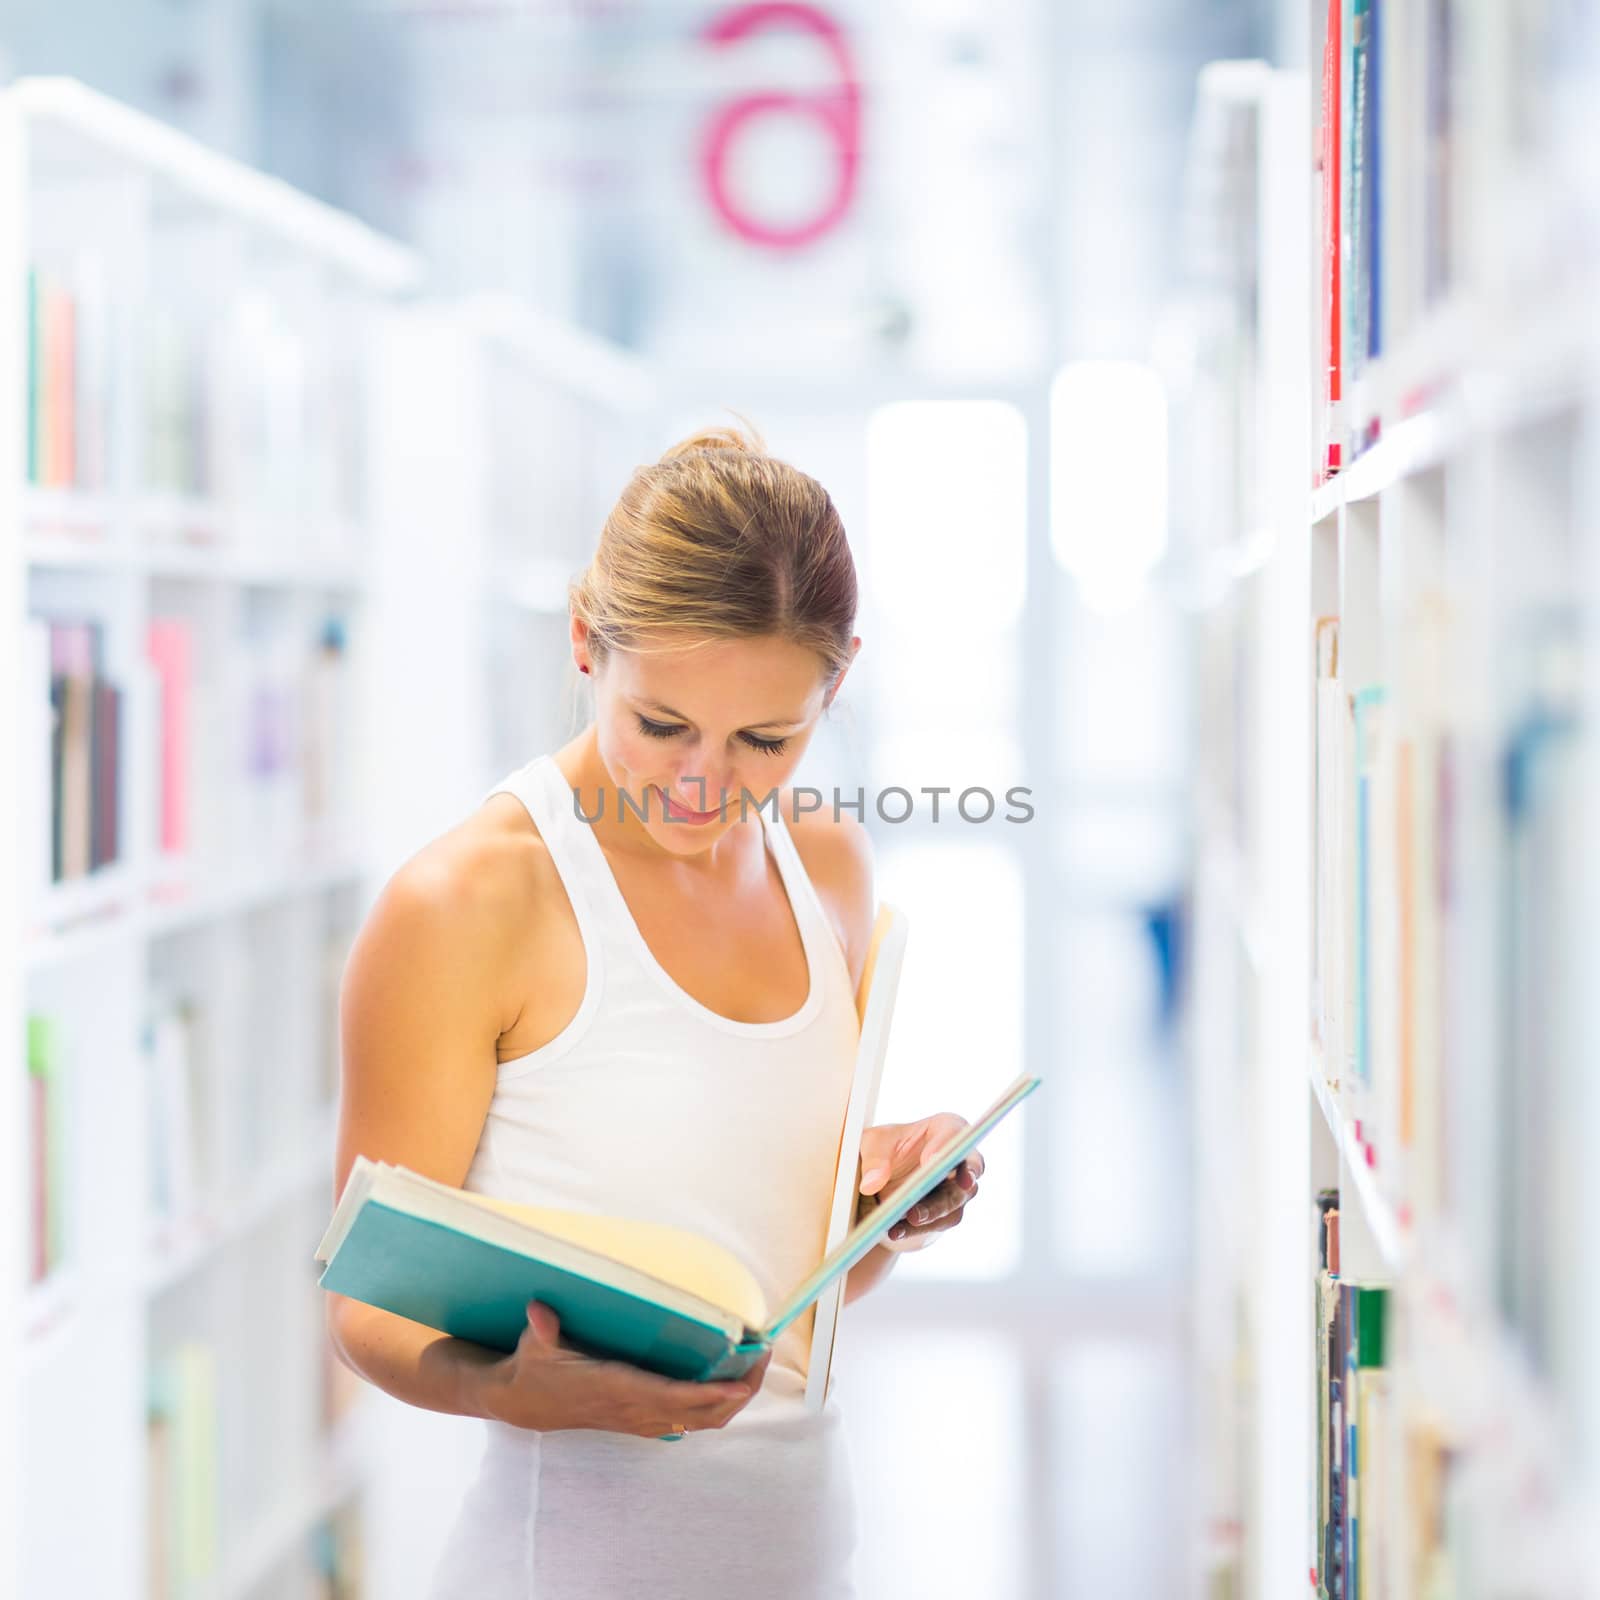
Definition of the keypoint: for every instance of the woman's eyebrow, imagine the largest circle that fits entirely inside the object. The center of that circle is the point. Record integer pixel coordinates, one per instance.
(771, 722)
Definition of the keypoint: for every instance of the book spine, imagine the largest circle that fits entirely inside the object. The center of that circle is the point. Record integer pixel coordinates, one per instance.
(1372, 422)
(36, 777)
(59, 359)
(97, 772)
(1357, 200)
(39, 1169)
(1374, 164)
(1438, 94)
(58, 747)
(1332, 314)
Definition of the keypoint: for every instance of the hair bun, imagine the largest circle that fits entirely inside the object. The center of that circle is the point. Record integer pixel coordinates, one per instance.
(724, 438)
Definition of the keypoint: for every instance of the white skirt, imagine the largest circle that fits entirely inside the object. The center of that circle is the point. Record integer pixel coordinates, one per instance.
(763, 1509)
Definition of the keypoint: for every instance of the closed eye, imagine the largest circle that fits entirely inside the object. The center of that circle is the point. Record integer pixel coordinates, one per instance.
(669, 730)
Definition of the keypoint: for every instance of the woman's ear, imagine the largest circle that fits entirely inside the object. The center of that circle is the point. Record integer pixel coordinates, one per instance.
(578, 632)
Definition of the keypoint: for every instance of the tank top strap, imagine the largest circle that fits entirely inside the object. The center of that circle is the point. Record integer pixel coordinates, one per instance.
(816, 931)
(548, 798)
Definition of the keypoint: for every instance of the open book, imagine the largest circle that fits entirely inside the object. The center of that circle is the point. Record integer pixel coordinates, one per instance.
(626, 1289)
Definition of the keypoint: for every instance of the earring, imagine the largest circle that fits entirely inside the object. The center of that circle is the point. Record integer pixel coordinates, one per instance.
(583, 669)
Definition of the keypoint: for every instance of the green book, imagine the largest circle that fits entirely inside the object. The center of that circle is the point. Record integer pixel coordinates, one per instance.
(45, 1064)
(624, 1289)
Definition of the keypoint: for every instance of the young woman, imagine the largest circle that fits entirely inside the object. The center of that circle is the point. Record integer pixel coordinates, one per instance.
(622, 986)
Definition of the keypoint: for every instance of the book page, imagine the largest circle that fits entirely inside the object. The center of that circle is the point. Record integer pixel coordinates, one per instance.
(673, 1255)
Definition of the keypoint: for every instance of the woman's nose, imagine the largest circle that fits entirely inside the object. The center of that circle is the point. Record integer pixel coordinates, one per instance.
(702, 786)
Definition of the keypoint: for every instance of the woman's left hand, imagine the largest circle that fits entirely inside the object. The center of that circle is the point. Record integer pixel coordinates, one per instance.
(892, 1151)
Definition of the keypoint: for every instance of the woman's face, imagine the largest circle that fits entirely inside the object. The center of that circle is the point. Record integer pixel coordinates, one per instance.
(684, 732)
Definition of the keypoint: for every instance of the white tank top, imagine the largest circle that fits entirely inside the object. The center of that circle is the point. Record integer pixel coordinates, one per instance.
(650, 1104)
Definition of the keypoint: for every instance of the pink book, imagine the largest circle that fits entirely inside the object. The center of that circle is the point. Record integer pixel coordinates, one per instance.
(171, 651)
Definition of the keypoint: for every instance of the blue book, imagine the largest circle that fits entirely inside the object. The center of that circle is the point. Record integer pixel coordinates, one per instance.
(624, 1289)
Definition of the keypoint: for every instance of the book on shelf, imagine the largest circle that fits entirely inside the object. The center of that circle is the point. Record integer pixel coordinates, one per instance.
(661, 1297)
(47, 1147)
(1359, 271)
(181, 1444)
(1438, 158)
(179, 404)
(1326, 970)
(82, 769)
(36, 769)
(1353, 1493)
(1542, 934)
(175, 1088)
(169, 646)
(1373, 810)
(326, 719)
(1336, 842)
(1329, 155)
(68, 335)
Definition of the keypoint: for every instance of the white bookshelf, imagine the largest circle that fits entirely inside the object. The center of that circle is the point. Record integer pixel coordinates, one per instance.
(218, 471)
(1238, 405)
(568, 417)
(1441, 1079)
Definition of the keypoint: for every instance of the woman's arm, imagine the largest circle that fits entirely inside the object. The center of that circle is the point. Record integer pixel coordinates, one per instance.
(419, 1014)
(424, 999)
(868, 1272)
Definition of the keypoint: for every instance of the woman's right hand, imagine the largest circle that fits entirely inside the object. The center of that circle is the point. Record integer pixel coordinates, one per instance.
(546, 1385)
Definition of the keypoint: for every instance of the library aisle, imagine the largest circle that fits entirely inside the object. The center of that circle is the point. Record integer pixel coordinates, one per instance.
(1210, 397)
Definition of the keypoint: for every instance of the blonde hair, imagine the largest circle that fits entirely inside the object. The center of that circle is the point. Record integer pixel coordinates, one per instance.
(719, 540)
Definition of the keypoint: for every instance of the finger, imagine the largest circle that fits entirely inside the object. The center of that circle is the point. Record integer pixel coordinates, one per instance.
(946, 1198)
(686, 1396)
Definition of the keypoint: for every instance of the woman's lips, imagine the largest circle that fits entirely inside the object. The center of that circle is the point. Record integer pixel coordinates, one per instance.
(682, 813)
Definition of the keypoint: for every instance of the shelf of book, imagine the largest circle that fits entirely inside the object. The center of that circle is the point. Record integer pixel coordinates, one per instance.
(565, 418)
(185, 397)
(1397, 717)
(168, 901)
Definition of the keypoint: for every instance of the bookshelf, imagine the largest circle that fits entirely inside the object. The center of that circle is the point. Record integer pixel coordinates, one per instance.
(187, 352)
(1393, 997)
(511, 435)
(569, 417)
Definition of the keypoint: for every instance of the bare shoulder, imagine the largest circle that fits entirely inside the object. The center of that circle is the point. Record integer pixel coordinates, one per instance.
(837, 853)
(455, 904)
(483, 869)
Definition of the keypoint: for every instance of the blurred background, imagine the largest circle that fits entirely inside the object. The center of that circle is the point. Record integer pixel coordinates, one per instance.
(333, 330)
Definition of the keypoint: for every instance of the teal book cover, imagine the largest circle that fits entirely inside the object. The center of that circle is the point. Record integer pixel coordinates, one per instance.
(441, 1257)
